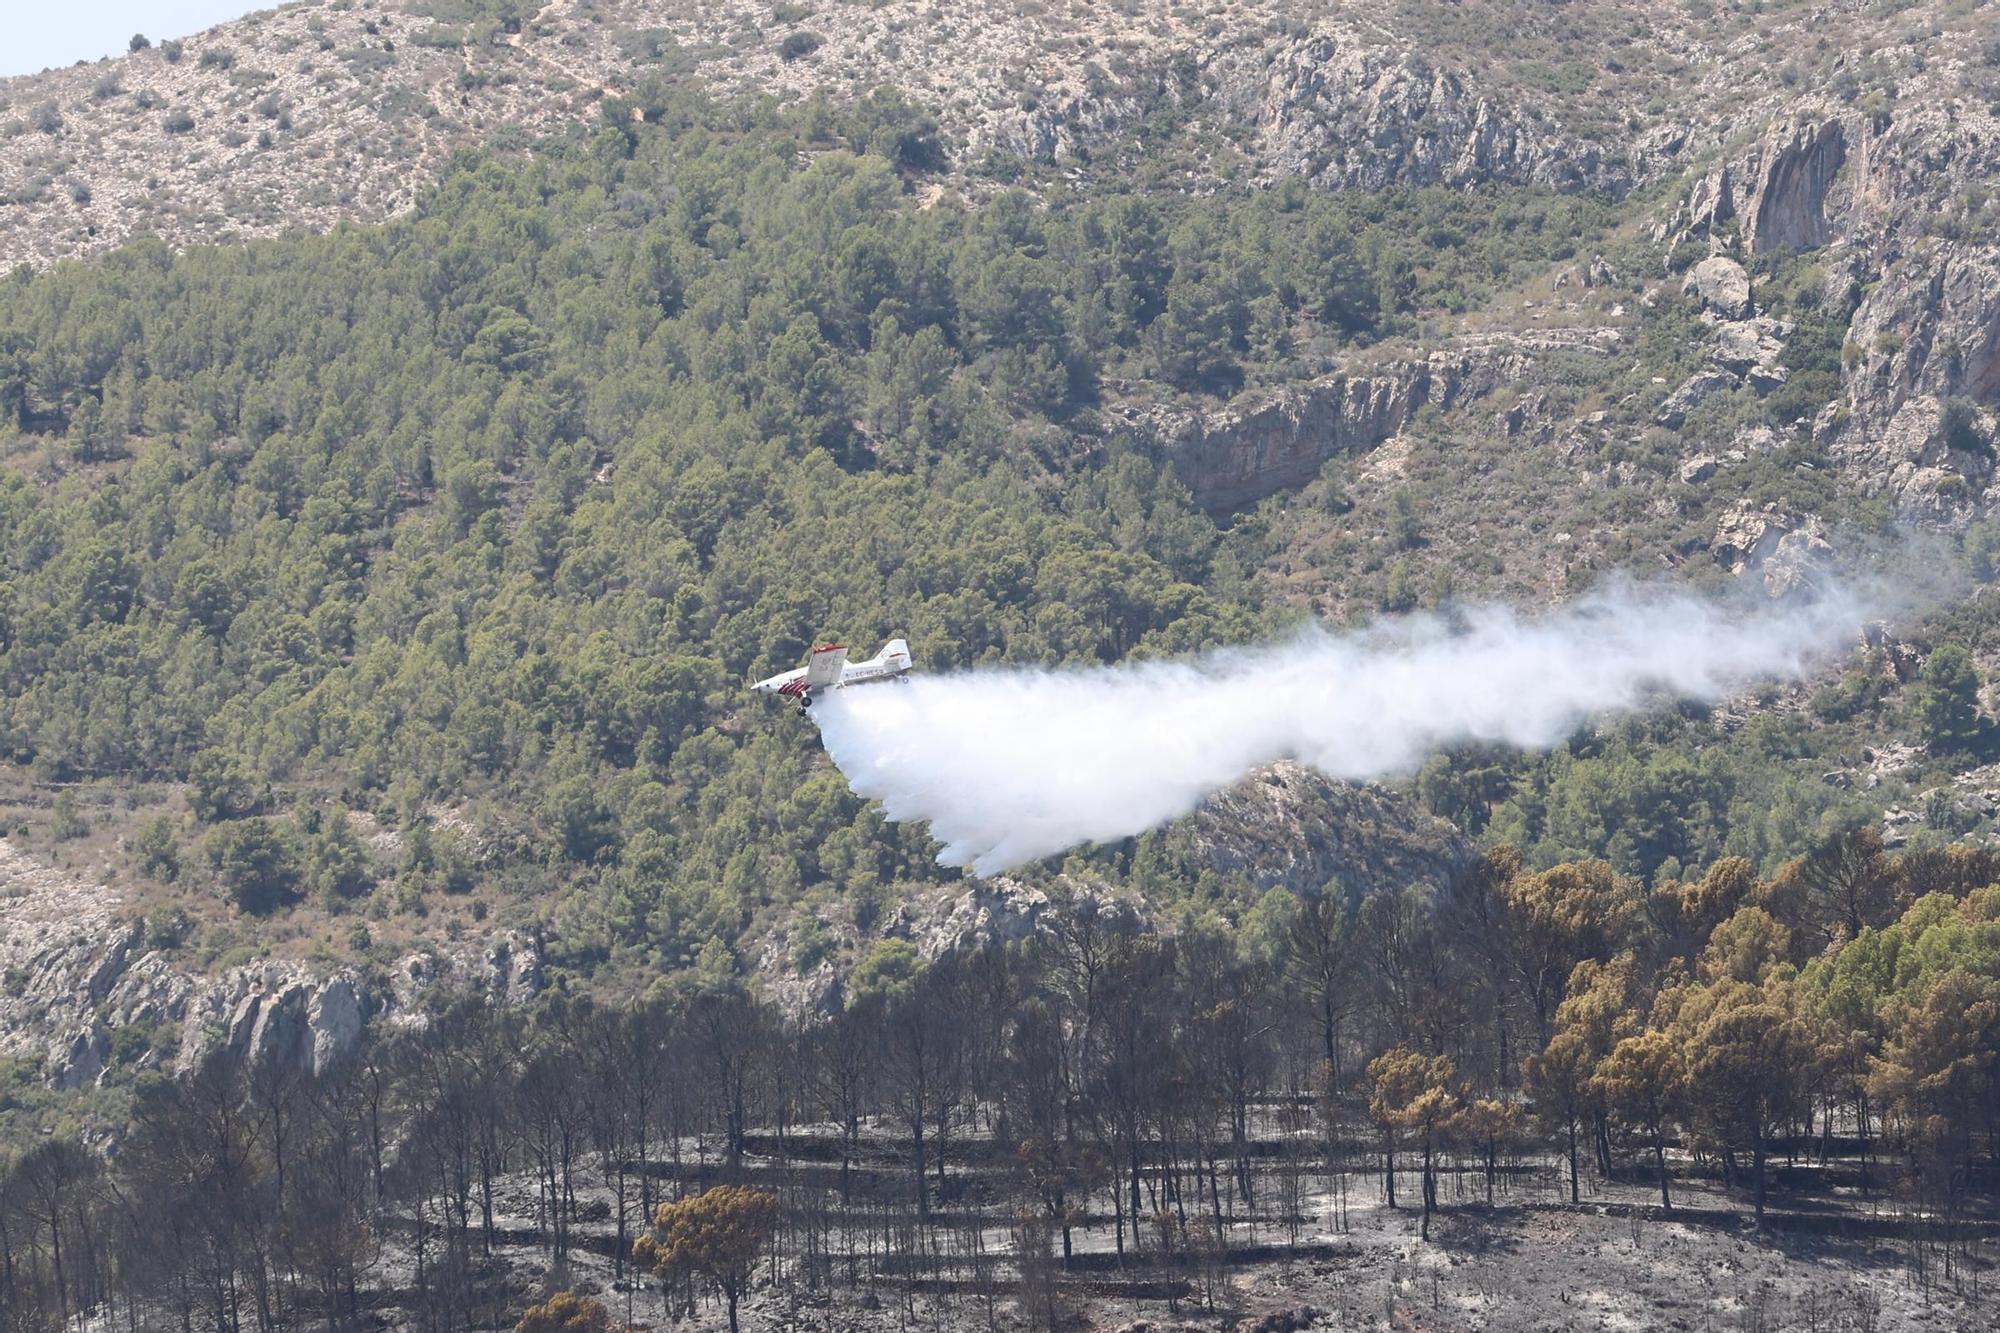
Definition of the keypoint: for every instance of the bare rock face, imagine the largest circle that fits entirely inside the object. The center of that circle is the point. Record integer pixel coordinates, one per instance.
(1746, 537)
(334, 1017)
(1286, 826)
(1788, 209)
(1002, 910)
(1930, 325)
(1906, 458)
(1252, 447)
(1698, 469)
(1345, 114)
(1317, 90)
(1788, 554)
(1708, 208)
(1870, 188)
(1751, 344)
(79, 970)
(1062, 129)
(1800, 561)
(1289, 826)
(512, 972)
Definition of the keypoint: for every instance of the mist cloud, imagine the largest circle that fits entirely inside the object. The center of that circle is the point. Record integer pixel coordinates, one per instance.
(1011, 765)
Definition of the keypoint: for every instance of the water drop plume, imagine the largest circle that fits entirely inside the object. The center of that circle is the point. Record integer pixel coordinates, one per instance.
(1009, 765)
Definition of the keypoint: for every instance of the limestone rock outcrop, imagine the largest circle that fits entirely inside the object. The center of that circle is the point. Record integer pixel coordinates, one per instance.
(1788, 208)
(1285, 826)
(1291, 827)
(1786, 553)
(1691, 393)
(80, 970)
(1244, 450)
(1346, 114)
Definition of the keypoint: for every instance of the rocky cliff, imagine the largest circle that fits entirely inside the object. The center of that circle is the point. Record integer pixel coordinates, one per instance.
(1234, 453)
(1285, 826)
(314, 112)
(1795, 172)
(1344, 112)
(1289, 827)
(80, 972)
(1889, 194)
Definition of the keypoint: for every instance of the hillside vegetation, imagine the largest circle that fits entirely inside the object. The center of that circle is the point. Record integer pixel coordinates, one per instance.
(477, 523)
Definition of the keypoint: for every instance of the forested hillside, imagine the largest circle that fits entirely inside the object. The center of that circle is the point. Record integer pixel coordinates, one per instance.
(475, 524)
(478, 522)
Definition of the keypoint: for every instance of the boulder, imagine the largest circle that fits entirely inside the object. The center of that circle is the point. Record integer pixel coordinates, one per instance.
(1721, 285)
(1754, 440)
(1746, 537)
(1699, 469)
(1742, 344)
(1799, 560)
(1763, 379)
(1737, 346)
(1695, 390)
(1788, 554)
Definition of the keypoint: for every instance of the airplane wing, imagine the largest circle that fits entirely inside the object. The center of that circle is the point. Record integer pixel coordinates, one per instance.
(824, 667)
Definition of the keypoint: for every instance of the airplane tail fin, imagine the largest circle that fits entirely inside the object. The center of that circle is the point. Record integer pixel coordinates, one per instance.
(896, 653)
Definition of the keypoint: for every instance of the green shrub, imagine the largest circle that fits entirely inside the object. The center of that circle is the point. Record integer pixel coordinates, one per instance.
(68, 821)
(169, 929)
(1958, 427)
(799, 45)
(158, 850)
(1945, 701)
(256, 864)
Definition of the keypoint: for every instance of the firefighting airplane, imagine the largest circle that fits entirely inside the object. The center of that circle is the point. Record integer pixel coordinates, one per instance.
(829, 669)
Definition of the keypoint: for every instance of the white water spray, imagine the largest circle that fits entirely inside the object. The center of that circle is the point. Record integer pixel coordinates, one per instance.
(1010, 765)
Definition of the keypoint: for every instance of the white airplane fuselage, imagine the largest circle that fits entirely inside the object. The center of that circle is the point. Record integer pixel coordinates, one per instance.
(829, 669)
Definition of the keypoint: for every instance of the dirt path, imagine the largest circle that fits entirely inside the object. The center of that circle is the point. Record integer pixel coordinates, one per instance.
(518, 40)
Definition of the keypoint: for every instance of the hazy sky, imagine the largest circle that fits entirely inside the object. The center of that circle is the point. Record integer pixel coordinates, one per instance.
(41, 33)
